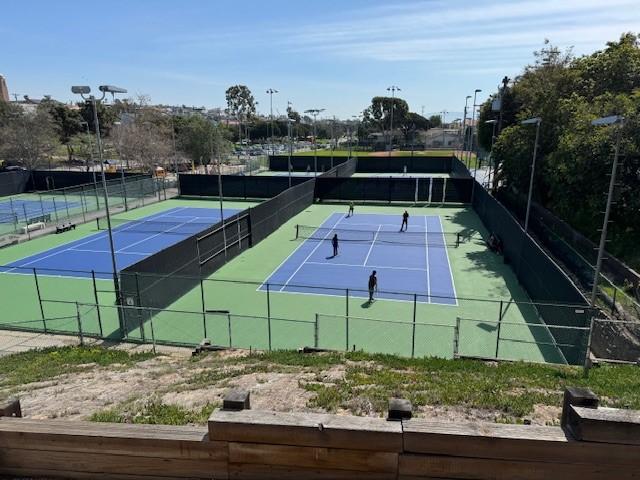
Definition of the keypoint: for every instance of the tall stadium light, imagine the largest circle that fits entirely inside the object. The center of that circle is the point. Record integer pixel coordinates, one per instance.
(85, 92)
(271, 91)
(393, 89)
(493, 138)
(442, 120)
(606, 121)
(315, 112)
(473, 127)
(289, 131)
(464, 125)
(532, 121)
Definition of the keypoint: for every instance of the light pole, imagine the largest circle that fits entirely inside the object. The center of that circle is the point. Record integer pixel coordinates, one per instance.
(442, 120)
(612, 120)
(493, 138)
(473, 119)
(84, 92)
(289, 128)
(271, 91)
(464, 125)
(393, 89)
(532, 121)
(315, 112)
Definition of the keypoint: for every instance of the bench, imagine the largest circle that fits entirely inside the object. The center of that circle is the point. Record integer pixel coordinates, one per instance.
(32, 226)
(65, 227)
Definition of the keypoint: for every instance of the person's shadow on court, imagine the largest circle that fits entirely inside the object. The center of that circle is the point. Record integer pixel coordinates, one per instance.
(366, 304)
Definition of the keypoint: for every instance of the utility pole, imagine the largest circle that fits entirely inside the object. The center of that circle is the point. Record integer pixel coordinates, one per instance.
(315, 112)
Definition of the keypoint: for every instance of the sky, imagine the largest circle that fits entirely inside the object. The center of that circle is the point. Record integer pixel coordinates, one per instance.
(331, 54)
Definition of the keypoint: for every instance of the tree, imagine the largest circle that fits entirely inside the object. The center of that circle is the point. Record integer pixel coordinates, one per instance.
(81, 145)
(241, 104)
(200, 139)
(30, 139)
(379, 112)
(68, 122)
(413, 122)
(435, 121)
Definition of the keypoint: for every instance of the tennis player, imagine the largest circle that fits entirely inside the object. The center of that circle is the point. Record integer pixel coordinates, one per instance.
(373, 285)
(350, 209)
(405, 221)
(334, 242)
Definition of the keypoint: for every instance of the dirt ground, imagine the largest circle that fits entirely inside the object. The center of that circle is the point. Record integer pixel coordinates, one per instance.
(175, 378)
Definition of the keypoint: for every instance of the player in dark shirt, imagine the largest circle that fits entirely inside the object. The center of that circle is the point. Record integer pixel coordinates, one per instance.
(373, 285)
(350, 209)
(405, 221)
(334, 243)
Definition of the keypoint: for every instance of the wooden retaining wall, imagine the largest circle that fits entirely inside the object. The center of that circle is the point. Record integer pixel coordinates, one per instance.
(594, 443)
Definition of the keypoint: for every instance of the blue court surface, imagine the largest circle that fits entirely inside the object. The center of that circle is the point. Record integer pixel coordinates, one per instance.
(21, 210)
(415, 262)
(133, 241)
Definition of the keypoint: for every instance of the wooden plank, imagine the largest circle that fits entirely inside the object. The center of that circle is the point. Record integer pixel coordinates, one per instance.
(107, 464)
(604, 425)
(313, 457)
(39, 473)
(248, 471)
(102, 429)
(510, 442)
(306, 429)
(476, 468)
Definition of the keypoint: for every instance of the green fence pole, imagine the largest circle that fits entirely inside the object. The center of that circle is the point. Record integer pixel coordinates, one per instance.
(153, 335)
(269, 315)
(95, 295)
(499, 326)
(204, 310)
(413, 334)
(82, 204)
(346, 324)
(26, 221)
(44, 320)
(456, 339)
(66, 202)
(79, 324)
(229, 324)
(315, 333)
(347, 299)
(55, 208)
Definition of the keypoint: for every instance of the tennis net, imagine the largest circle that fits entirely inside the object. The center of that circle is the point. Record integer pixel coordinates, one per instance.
(155, 226)
(381, 236)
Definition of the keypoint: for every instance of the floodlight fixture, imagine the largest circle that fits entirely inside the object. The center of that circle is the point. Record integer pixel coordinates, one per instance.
(81, 90)
(531, 121)
(111, 89)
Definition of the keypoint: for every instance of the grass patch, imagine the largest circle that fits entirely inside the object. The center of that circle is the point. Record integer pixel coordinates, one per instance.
(43, 364)
(155, 413)
(513, 389)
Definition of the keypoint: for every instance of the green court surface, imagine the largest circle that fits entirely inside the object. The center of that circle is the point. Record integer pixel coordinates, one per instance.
(292, 320)
(19, 288)
(230, 310)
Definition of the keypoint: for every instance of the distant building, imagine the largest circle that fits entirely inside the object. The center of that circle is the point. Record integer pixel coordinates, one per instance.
(442, 138)
(4, 91)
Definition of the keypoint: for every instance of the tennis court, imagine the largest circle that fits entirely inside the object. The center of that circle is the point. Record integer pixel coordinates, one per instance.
(133, 241)
(407, 263)
(21, 210)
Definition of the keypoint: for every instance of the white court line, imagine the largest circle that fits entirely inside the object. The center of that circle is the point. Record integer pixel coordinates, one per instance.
(370, 266)
(371, 247)
(446, 252)
(426, 249)
(107, 251)
(99, 237)
(309, 256)
(158, 234)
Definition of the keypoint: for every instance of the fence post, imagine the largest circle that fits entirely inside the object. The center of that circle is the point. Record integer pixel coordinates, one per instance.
(229, 323)
(587, 358)
(153, 335)
(79, 324)
(66, 202)
(204, 310)
(95, 295)
(315, 333)
(26, 221)
(55, 208)
(142, 191)
(456, 339)
(44, 321)
(124, 191)
(499, 326)
(83, 204)
(269, 315)
(413, 334)
(346, 324)
(347, 298)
